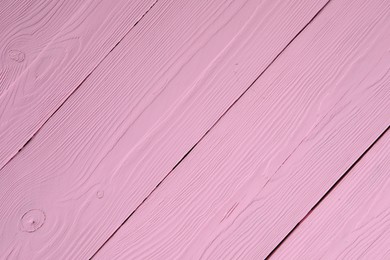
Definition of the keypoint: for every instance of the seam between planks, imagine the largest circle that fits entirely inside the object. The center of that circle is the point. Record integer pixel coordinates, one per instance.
(328, 192)
(82, 82)
(216, 122)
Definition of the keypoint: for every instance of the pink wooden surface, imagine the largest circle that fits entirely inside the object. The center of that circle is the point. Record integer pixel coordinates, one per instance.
(353, 222)
(269, 102)
(267, 162)
(143, 108)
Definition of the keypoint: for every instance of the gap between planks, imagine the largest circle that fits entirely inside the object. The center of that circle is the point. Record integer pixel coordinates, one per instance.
(78, 86)
(352, 222)
(328, 192)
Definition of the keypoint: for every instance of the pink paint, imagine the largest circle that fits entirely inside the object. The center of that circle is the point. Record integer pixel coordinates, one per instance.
(27, 27)
(249, 180)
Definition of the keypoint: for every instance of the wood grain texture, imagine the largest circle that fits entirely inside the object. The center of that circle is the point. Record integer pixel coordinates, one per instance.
(27, 27)
(82, 42)
(353, 221)
(134, 118)
(261, 169)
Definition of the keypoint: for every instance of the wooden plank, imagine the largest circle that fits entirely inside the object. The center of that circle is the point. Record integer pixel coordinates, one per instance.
(63, 64)
(27, 27)
(352, 222)
(261, 169)
(135, 117)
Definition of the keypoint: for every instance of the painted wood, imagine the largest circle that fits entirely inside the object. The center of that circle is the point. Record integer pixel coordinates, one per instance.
(352, 222)
(269, 160)
(84, 39)
(27, 27)
(134, 118)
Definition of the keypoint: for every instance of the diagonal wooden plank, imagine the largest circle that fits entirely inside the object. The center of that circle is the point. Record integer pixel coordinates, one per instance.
(352, 222)
(135, 117)
(27, 27)
(73, 53)
(261, 169)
